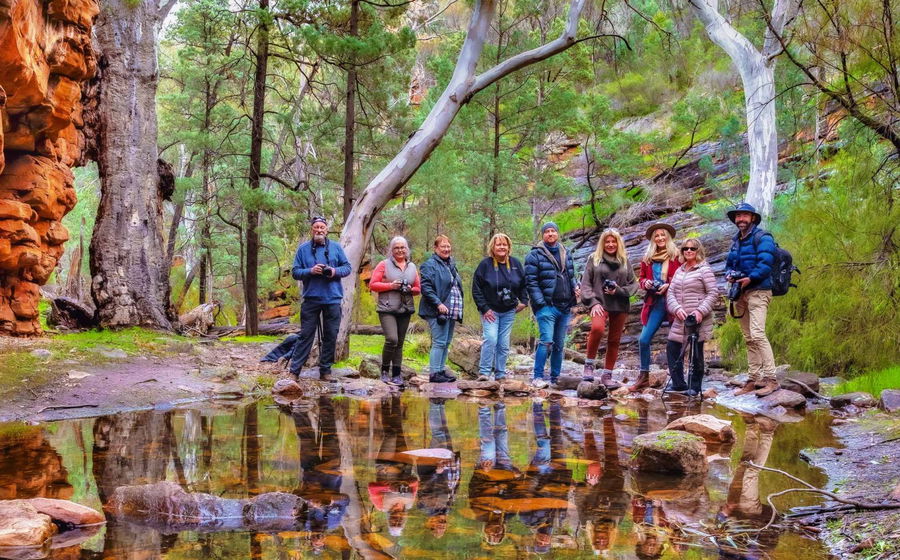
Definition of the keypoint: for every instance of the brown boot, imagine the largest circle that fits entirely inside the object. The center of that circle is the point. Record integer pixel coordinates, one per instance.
(747, 387)
(641, 383)
(608, 381)
(767, 387)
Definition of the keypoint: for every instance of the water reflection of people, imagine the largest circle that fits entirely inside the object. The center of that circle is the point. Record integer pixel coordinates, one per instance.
(603, 502)
(742, 502)
(651, 526)
(548, 479)
(320, 482)
(438, 477)
(492, 489)
(395, 486)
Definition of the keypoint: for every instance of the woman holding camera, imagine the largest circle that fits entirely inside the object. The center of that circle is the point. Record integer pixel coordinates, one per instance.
(606, 286)
(657, 270)
(441, 305)
(395, 281)
(499, 291)
(690, 298)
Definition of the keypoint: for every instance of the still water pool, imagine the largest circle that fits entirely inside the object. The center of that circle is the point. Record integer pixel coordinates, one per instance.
(412, 477)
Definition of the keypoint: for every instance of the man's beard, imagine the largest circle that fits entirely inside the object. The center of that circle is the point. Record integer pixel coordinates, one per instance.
(319, 239)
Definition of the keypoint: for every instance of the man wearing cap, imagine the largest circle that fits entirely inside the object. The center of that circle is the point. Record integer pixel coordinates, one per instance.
(553, 289)
(753, 259)
(320, 264)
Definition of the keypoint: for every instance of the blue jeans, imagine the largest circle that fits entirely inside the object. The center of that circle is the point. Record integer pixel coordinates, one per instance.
(441, 335)
(495, 348)
(657, 315)
(494, 436)
(549, 447)
(552, 324)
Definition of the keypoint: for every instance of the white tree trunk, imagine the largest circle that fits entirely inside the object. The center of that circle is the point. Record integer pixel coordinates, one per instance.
(463, 85)
(757, 71)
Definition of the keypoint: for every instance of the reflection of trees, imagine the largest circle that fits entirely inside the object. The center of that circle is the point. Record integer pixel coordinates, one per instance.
(133, 448)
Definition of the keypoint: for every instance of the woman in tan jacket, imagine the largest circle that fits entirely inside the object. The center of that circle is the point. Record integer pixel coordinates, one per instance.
(693, 291)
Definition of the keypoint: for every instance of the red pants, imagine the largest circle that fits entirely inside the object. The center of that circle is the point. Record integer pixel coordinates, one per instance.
(598, 326)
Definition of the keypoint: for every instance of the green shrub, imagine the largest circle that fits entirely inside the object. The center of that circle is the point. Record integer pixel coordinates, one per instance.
(731, 344)
(874, 382)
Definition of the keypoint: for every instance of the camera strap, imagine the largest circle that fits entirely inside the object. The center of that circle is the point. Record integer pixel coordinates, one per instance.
(731, 310)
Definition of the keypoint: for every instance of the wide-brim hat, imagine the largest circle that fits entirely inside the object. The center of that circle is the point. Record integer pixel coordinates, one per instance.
(744, 207)
(653, 227)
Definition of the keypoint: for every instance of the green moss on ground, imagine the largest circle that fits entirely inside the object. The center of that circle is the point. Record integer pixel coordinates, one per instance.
(873, 383)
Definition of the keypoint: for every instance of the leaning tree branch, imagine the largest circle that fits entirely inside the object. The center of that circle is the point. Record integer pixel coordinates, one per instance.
(868, 506)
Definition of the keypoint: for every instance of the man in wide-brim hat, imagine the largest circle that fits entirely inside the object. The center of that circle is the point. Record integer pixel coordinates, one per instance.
(752, 256)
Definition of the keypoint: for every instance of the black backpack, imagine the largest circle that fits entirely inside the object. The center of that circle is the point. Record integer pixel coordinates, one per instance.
(782, 266)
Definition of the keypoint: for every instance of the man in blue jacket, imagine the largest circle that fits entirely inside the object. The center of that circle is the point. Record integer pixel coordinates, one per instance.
(320, 264)
(752, 255)
(553, 290)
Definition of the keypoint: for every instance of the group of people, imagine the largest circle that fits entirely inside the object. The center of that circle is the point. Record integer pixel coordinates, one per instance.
(678, 284)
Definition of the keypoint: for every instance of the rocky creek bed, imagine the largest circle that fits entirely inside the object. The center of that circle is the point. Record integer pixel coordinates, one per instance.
(856, 452)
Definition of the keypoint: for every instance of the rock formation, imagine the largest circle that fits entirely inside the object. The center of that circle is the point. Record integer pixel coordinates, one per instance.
(45, 57)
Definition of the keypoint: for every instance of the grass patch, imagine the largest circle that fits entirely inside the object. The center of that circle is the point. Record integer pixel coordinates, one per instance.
(872, 383)
(260, 338)
(362, 345)
(132, 340)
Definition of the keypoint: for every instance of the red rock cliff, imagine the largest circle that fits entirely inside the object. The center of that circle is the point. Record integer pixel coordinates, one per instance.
(45, 57)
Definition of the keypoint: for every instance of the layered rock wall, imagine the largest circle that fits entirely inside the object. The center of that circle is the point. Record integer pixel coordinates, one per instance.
(45, 57)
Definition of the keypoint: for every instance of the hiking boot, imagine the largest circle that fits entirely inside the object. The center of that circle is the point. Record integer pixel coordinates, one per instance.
(641, 383)
(441, 377)
(588, 373)
(499, 375)
(608, 382)
(746, 388)
(766, 388)
(538, 383)
(397, 377)
(325, 374)
(385, 374)
(554, 384)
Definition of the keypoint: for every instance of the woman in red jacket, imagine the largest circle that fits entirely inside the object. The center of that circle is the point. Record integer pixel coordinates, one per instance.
(657, 269)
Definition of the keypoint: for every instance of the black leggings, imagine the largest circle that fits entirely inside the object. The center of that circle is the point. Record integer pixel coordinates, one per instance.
(394, 327)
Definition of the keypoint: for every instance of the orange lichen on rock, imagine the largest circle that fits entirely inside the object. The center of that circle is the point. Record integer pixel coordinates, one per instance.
(45, 56)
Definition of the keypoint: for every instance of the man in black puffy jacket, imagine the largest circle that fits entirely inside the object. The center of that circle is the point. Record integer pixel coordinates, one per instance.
(553, 289)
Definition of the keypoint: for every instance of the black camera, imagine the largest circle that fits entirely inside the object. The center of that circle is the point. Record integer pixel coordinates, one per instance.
(609, 284)
(327, 271)
(506, 297)
(405, 288)
(691, 326)
(655, 287)
(734, 290)
(442, 319)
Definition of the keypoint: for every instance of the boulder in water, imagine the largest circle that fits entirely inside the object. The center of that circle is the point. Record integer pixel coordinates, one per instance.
(707, 426)
(22, 525)
(859, 399)
(811, 380)
(465, 352)
(784, 398)
(66, 512)
(669, 451)
(593, 390)
(287, 387)
(890, 400)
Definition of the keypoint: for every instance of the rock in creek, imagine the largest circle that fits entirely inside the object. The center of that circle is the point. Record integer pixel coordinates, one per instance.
(710, 428)
(22, 525)
(857, 398)
(473, 387)
(167, 504)
(784, 398)
(593, 390)
(811, 380)
(669, 451)
(68, 513)
(465, 352)
(288, 388)
(370, 367)
(890, 400)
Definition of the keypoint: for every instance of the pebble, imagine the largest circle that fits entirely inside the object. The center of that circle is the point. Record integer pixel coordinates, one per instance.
(41, 353)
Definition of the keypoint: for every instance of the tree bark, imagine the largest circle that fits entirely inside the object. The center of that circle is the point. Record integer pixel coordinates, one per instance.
(757, 70)
(350, 116)
(259, 101)
(129, 270)
(463, 84)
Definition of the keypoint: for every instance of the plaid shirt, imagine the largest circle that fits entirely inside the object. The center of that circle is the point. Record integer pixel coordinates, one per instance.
(456, 301)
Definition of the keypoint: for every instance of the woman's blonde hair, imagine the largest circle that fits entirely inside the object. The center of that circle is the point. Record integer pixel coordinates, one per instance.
(671, 249)
(621, 255)
(701, 250)
(497, 237)
(439, 238)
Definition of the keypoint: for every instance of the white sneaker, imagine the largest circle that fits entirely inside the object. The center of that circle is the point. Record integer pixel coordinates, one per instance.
(538, 383)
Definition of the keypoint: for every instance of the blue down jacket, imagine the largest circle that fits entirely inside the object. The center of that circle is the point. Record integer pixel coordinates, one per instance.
(753, 259)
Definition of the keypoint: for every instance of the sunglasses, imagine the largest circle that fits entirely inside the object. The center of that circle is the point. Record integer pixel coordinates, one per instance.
(686, 249)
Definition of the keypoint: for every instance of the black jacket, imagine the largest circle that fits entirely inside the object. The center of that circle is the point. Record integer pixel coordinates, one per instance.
(541, 272)
(436, 278)
(489, 280)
